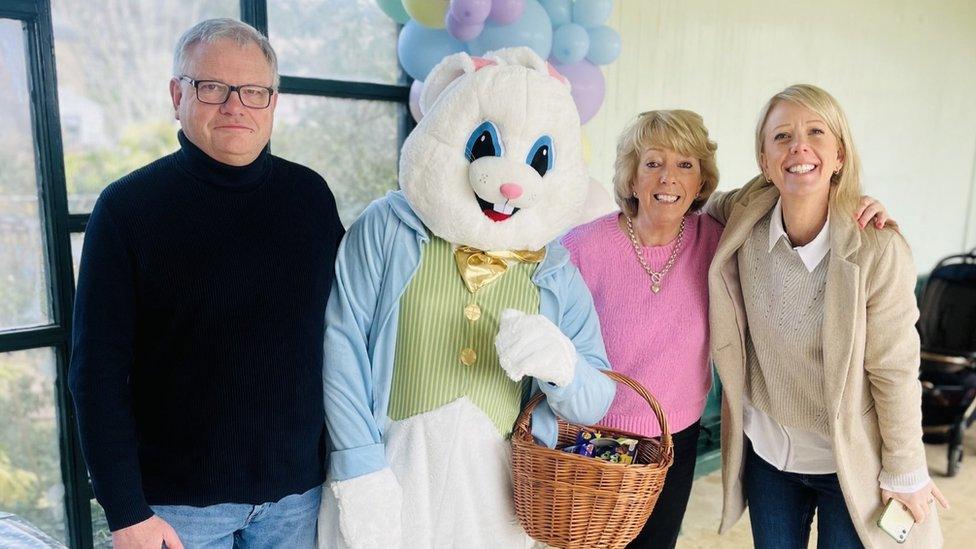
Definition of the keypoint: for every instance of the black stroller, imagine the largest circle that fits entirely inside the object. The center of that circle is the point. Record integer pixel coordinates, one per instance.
(947, 327)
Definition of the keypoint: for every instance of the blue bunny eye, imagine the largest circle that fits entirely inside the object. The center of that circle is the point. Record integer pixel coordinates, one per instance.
(484, 141)
(540, 155)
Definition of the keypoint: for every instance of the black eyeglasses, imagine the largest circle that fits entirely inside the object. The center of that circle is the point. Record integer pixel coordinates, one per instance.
(215, 92)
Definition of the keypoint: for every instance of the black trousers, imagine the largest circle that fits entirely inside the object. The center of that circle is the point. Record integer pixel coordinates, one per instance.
(661, 530)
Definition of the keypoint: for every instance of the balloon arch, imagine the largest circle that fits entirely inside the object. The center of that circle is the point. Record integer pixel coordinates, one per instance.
(572, 35)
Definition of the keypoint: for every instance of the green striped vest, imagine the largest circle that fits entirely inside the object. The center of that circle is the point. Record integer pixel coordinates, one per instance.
(445, 345)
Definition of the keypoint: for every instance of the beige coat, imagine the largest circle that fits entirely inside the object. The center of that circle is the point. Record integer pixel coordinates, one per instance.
(871, 359)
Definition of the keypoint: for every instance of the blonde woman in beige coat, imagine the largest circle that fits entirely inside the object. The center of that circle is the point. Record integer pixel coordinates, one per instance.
(812, 331)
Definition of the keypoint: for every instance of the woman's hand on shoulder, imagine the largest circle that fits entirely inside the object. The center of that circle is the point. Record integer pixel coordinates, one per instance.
(918, 502)
(871, 210)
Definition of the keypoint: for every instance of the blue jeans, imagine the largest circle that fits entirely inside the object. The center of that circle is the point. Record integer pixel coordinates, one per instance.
(290, 522)
(782, 504)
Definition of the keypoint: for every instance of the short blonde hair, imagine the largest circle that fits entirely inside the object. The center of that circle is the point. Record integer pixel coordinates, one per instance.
(845, 186)
(678, 130)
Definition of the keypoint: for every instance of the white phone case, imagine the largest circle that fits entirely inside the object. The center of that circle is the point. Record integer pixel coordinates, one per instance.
(896, 521)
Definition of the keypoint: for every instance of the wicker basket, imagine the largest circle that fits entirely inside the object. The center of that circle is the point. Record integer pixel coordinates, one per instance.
(569, 501)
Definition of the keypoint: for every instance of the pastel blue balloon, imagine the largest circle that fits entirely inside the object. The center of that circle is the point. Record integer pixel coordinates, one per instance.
(532, 29)
(570, 43)
(560, 11)
(591, 13)
(604, 45)
(420, 48)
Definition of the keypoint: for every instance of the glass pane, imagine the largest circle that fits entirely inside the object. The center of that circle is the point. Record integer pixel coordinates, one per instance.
(24, 296)
(101, 535)
(77, 239)
(353, 144)
(113, 84)
(30, 465)
(337, 39)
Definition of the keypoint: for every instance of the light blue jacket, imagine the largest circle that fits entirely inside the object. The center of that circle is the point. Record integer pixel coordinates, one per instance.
(377, 259)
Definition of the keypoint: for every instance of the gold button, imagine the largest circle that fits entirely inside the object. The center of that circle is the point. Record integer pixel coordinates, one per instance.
(468, 356)
(472, 312)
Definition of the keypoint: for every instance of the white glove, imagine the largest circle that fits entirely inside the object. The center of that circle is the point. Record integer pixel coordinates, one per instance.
(531, 345)
(369, 510)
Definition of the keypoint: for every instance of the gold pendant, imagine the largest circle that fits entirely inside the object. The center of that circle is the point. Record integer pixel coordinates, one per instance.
(655, 288)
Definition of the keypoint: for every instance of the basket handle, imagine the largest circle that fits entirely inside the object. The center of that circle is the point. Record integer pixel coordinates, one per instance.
(522, 423)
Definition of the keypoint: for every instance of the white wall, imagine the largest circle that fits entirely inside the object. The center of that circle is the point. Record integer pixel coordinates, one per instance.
(905, 73)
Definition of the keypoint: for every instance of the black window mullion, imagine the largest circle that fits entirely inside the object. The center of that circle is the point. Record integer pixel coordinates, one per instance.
(23, 339)
(23, 10)
(255, 13)
(77, 222)
(54, 208)
(344, 89)
(77, 488)
(50, 165)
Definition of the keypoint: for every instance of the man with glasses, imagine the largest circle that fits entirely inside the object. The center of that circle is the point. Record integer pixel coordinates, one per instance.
(199, 320)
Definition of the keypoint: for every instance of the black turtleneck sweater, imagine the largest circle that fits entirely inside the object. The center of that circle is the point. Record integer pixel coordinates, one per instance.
(196, 367)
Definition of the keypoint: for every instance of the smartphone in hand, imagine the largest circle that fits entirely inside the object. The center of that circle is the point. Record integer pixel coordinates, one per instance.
(896, 520)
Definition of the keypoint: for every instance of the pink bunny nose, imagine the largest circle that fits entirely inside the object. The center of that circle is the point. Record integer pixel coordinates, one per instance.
(511, 191)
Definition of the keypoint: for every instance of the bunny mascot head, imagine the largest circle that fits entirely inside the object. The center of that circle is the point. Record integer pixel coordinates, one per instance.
(496, 161)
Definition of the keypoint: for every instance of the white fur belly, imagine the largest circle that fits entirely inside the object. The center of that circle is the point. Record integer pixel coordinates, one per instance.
(455, 472)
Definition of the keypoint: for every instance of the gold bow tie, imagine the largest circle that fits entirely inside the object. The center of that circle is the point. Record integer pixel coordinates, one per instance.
(479, 268)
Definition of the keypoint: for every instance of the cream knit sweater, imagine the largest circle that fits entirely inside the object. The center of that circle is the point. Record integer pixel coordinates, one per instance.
(785, 309)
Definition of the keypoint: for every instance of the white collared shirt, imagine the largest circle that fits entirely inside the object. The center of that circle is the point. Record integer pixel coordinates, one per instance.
(812, 253)
(798, 450)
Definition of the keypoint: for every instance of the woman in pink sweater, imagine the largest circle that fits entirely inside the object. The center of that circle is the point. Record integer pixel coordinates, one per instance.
(647, 268)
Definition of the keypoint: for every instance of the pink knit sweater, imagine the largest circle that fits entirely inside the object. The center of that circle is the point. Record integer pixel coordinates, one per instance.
(661, 340)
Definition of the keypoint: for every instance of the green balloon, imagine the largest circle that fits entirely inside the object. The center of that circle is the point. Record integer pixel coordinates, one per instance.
(394, 9)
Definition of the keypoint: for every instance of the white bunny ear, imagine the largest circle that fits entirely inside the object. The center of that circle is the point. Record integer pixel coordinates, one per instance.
(528, 58)
(443, 75)
(519, 56)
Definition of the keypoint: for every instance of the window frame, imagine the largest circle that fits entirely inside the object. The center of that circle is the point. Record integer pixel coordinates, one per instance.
(58, 224)
(35, 18)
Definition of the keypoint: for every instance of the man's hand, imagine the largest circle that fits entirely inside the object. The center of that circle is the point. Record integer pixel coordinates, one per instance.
(148, 534)
(531, 345)
(919, 502)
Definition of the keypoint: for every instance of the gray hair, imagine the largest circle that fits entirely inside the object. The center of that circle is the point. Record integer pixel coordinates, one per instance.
(211, 30)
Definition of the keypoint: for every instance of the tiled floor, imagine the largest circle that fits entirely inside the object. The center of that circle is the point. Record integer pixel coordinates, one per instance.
(958, 524)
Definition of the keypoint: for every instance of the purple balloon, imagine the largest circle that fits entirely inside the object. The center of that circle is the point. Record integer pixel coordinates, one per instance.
(588, 86)
(469, 12)
(505, 12)
(462, 31)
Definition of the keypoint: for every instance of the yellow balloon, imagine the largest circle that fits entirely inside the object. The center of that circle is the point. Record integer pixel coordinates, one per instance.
(429, 13)
(587, 151)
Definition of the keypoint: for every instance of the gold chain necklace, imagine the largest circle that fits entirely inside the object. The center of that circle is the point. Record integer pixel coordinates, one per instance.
(656, 276)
